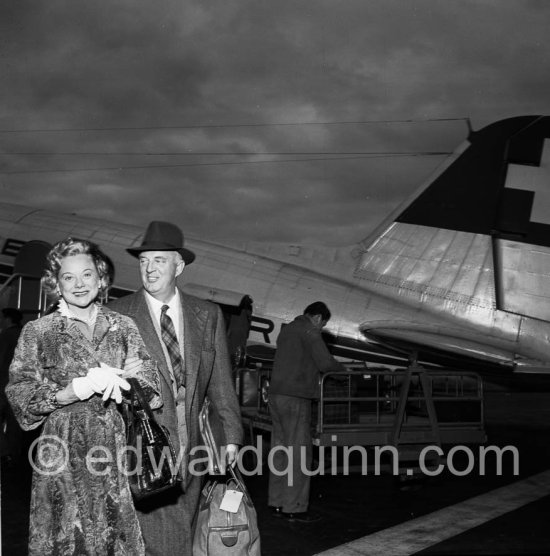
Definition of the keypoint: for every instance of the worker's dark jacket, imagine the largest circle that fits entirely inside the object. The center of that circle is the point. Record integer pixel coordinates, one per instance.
(301, 356)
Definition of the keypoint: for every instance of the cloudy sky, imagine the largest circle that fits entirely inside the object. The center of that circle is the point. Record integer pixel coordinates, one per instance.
(289, 120)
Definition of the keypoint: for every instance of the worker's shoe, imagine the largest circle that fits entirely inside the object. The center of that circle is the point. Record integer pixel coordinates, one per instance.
(302, 517)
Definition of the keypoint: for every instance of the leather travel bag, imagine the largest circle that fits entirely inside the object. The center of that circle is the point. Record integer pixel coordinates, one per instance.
(221, 530)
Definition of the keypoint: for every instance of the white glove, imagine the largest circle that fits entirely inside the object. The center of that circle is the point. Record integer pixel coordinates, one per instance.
(84, 388)
(106, 380)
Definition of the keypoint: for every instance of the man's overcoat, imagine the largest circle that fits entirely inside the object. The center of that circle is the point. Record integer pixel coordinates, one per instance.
(167, 521)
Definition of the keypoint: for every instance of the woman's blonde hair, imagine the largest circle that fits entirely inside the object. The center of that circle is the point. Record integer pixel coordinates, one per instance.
(69, 247)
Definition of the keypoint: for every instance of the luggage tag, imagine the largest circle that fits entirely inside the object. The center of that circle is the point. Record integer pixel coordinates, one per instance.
(231, 501)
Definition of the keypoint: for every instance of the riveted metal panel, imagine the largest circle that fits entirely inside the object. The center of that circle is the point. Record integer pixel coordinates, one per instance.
(444, 265)
(523, 278)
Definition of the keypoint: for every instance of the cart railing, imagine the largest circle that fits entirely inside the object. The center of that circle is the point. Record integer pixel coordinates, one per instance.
(373, 406)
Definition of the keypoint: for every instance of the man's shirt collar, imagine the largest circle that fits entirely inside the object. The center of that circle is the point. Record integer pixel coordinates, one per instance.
(157, 305)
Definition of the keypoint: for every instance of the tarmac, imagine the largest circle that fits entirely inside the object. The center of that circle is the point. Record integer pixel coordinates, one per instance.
(458, 511)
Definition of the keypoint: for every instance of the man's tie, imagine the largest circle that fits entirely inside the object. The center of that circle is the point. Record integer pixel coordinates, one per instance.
(168, 334)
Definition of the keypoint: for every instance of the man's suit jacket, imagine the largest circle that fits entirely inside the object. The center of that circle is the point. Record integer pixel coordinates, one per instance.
(207, 365)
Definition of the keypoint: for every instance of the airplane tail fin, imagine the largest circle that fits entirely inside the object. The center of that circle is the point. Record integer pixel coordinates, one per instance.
(475, 238)
(469, 191)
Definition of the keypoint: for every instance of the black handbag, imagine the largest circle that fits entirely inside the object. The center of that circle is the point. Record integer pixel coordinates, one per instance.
(151, 463)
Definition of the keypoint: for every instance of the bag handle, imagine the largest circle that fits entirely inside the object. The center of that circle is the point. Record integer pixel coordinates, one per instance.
(238, 478)
(136, 393)
(235, 476)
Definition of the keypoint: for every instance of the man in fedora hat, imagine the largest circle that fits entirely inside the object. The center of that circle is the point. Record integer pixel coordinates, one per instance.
(186, 336)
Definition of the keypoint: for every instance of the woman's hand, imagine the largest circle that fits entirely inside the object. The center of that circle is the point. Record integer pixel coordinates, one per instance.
(102, 380)
(66, 395)
(107, 379)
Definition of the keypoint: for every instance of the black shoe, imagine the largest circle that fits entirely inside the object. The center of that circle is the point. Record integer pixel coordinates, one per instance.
(276, 511)
(302, 517)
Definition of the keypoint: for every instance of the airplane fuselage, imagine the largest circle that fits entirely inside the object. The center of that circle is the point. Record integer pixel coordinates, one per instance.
(283, 279)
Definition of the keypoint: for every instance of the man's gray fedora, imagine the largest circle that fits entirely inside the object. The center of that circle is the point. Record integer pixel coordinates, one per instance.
(163, 236)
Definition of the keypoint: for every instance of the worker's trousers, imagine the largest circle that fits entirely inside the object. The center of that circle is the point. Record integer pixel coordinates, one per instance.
(291, 453)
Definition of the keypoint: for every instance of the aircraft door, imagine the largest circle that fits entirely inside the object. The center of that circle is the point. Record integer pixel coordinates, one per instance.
(238, 321)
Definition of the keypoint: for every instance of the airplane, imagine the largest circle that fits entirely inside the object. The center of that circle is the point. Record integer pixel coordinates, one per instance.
(459, 274)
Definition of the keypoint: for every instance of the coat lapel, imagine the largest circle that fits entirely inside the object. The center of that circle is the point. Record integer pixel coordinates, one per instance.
(194, 320)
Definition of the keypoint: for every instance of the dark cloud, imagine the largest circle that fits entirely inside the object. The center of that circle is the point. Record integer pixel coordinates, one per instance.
(225, 71)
